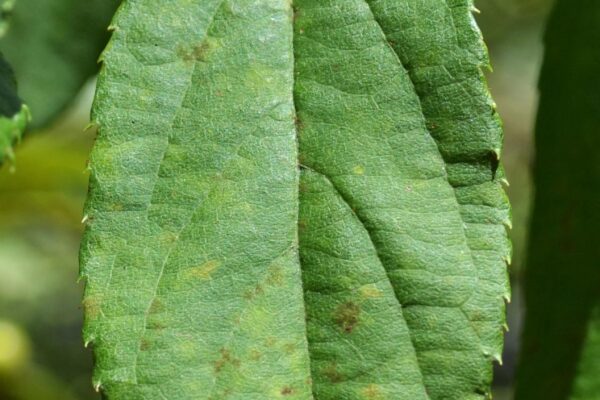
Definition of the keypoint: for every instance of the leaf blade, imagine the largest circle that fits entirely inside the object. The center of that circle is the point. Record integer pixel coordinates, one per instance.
(411, 231)
(207, 182)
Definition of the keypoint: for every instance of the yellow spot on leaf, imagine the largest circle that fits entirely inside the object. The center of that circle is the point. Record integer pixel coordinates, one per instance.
(370, 292)
(359, 170)
(203, 271)
(372, 392)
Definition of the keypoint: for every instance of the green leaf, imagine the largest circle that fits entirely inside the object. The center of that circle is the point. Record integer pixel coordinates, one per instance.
(562, 276)
(286, 204)
(53, 47)
(587, 384)
(14, 115)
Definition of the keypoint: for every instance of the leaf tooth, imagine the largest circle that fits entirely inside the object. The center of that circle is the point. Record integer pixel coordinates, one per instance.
(497, 152)
(494, 355)
(89, 339)
(91, 125)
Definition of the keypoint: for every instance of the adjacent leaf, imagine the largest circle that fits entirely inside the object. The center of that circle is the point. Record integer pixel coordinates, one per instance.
(587, 384)
(14, 115)
(563, 275)
(257, 165)
(53, 47)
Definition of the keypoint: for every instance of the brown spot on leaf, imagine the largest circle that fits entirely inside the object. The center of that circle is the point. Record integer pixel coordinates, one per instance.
(91, 306)
(226, 359)
(286, 391)
(155, 325)
(251, 294)
(301, 223)
(197, 52)
(332, 373)
(346, 316)
(144, 345)
(156, 307)
(298, 123)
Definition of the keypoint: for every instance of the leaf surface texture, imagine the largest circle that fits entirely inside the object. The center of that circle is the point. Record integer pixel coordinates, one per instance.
(273, 215)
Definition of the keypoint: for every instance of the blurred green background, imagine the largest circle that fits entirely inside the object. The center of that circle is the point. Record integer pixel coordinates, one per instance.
(41, 199)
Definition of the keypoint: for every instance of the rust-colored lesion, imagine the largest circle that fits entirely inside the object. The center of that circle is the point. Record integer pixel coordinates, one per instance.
(92, 306)
(144, 345)
(332, 374)
(251, 294)
(287, 391)
(226, 359)
(156, 307)
(198, 52)
(346, 316)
